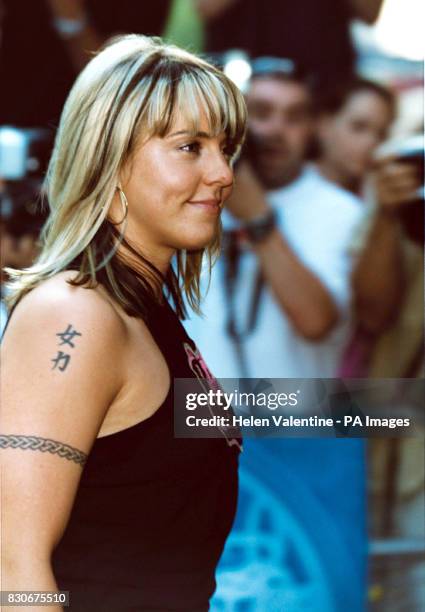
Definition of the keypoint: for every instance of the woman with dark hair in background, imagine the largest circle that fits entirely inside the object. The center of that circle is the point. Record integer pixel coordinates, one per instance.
(354, 119)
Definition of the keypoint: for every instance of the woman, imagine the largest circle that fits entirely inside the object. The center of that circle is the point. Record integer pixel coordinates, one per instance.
(353, 119)
(118, 511)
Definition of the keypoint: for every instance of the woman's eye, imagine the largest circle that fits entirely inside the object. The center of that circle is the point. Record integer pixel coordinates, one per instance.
(228, 151)
(359, 126)
(191, 147)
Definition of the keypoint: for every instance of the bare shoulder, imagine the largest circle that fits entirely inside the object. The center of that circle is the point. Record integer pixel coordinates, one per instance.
(55, 303)
(62, 336)
(63, 356)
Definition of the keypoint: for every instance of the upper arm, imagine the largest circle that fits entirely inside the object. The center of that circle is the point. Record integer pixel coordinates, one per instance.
(61, 368)
(328, 253)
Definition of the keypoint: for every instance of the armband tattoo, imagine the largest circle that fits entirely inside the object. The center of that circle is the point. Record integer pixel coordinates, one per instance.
(44, 445)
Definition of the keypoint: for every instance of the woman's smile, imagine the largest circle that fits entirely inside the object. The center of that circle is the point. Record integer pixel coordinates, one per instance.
(176, 188)
(211, 206)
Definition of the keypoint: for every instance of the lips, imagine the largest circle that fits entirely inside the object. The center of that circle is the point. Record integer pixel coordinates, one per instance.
(208, 205)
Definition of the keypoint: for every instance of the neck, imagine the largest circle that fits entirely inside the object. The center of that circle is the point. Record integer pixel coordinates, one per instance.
(142, 242)
(331, 173)
(161, 263)
(284, 180)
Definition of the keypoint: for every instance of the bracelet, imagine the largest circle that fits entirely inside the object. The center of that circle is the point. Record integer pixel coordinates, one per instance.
(260, 227)
(68, 28)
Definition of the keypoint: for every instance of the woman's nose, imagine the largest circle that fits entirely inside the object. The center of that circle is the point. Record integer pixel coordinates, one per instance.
(219, 171)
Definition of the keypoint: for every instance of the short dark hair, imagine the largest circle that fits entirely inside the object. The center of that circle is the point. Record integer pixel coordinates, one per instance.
(331, 101)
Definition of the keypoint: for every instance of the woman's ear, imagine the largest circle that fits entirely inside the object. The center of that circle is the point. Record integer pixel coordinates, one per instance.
(124, 174)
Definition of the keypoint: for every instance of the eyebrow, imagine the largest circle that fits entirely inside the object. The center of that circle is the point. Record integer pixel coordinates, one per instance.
(196, 134)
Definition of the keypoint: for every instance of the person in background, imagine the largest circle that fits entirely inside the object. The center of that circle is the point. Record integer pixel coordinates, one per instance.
(314, 33)
(279, 300)
(388, 279)
(50, 41)
(21, 221)
(353, 120)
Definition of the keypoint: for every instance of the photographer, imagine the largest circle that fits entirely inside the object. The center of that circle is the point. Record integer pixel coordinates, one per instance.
(278, 305)
(45, 44)
(389, 276)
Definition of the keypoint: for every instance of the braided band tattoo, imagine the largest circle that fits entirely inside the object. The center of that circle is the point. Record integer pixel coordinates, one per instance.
(44, 445)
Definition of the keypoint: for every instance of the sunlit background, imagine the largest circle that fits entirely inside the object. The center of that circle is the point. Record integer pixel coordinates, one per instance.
(400, 28)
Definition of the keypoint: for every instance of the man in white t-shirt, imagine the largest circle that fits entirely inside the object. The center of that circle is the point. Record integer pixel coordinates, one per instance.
(279, 301)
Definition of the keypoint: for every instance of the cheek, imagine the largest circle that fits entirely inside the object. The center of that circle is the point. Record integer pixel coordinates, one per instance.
(298, 137)
(351, 152)
(342, 141)
(358, 145)
(180, 182)
(162, 185)
(227, 192)
(261, 127)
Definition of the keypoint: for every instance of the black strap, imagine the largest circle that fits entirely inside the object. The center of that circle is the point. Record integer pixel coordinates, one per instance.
(232, 254)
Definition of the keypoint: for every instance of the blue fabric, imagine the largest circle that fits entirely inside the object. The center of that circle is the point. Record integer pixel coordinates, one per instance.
(316, 487)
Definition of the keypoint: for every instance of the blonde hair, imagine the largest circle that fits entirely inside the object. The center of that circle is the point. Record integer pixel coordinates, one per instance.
(132, 88)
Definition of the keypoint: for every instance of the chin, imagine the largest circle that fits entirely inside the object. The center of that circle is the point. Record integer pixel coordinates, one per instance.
(273, 178)
(272, 181)
(195, 241)
(358, 168)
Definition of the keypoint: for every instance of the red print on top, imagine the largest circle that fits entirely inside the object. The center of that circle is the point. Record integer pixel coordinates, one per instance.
(199, 367)
(207, 381)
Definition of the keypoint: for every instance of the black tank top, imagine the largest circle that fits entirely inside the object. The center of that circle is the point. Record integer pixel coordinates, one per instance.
(152, 512)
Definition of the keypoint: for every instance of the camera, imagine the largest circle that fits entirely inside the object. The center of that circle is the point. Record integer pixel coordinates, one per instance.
(411, 151)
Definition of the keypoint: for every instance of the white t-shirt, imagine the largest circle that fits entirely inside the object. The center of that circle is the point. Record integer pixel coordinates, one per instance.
(318, 219)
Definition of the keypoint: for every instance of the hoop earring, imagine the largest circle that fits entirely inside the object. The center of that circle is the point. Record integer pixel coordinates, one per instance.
(124, 203)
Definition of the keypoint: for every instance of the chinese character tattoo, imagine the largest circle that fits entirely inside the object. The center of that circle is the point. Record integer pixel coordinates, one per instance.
(62, 359)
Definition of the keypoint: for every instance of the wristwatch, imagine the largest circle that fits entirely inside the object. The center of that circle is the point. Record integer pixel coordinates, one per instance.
(260, 227)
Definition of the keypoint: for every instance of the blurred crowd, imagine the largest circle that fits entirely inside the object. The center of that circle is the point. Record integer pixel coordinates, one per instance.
(321, 272)
(340, 286)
